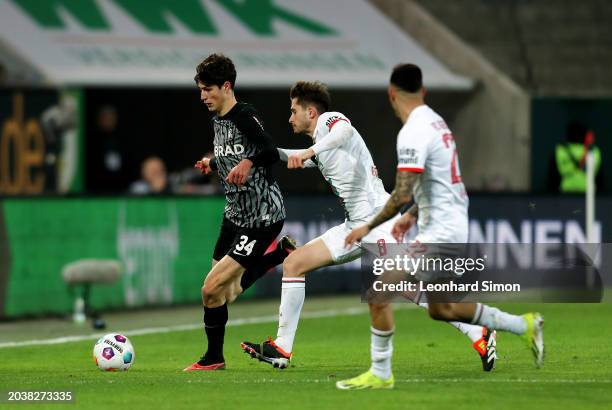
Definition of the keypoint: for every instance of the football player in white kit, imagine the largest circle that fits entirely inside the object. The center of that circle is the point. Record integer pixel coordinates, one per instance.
(428, 168)
(345, 162)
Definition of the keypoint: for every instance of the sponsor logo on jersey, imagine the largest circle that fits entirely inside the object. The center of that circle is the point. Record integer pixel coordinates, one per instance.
(439, 125)
(408, 156)
(408, 161)
(225, 150)
(332, 120)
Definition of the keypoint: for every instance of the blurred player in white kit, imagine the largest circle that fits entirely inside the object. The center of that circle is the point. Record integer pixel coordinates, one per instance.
(428, 168)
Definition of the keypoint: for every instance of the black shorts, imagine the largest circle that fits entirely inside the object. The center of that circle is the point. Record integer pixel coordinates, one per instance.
(245, 245)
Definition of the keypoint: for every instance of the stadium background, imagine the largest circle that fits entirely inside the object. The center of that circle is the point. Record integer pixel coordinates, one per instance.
(508, 87)
(509, 76)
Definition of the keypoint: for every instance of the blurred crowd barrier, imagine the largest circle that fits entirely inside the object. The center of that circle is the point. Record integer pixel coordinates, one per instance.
(102, 141)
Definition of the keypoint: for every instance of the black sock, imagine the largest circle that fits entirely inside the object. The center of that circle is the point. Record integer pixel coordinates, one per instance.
(214, 326)
(266, 262)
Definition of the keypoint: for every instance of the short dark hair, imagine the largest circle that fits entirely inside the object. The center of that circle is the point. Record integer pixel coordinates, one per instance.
(315, 93)
(216, 69)
(408, 77)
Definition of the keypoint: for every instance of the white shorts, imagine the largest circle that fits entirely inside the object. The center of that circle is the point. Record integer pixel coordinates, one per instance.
(334, 240)
(437, 226)
(448, 236)
(444, 238)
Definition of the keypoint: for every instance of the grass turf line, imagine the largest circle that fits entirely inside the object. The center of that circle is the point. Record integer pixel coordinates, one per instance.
(434, 366)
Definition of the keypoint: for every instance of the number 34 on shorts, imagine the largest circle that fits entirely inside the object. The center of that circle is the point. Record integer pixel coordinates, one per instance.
(244, 247)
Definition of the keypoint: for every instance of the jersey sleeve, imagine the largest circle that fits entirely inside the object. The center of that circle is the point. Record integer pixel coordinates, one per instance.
(249, 123)
(412, 150)
(327, 122)
(340, 132)
(284, 154)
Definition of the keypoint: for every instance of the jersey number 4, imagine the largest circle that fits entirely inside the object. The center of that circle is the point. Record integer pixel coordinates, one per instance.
(455, 176)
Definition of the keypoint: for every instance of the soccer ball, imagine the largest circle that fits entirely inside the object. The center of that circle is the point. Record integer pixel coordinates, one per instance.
(113, 352)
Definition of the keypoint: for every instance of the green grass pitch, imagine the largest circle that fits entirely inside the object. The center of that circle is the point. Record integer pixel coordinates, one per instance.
(434, 367)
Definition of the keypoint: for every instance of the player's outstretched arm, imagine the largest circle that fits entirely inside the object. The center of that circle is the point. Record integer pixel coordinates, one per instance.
(206, 165)
(340, 133)
(251, 126)
(240, 173)
(299, 159)
(403, 224)
(285, 154)
(401, 195)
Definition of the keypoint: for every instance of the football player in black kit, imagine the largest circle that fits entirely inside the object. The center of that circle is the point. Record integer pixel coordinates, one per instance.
(254, 210)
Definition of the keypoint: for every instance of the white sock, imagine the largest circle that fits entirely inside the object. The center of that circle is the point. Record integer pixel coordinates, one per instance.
(292, 299)
(381, 351)
(494, 318)
(473, 332)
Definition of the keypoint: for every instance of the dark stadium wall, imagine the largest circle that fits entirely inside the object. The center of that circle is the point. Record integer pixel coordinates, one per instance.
(173, 124)
(492, 129)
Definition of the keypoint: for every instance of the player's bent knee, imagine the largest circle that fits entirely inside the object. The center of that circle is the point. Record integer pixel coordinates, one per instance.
(214, 303)
(232, 292)
(378, 307)
(211, 301)
(292, 267)
(210, 294)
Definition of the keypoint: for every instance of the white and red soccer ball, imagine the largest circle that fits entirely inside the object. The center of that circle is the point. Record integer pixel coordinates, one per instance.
(113, 352)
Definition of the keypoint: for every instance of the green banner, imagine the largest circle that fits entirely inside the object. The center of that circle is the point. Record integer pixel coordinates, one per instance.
(164, 245)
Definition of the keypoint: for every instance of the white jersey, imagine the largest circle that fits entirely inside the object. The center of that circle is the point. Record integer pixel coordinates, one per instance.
(346, 164)
(349, 168)
(426, 145)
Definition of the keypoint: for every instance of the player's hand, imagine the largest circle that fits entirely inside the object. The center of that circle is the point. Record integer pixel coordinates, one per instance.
(356, 235)
(239, 174)
(297, 160)
(402, 225)
(203, 165)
